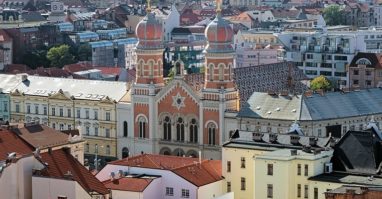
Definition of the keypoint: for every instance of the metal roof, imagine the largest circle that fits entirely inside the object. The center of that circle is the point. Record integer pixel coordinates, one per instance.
(331, 105)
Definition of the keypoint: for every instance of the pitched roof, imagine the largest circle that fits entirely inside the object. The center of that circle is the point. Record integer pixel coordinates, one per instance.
(374, 58)
(41, 136)
(128, 184)
(60, 163)
(156, 161)
(208, 172)
(187, 168)
(285, 13)
(10, 142)
(359, 152)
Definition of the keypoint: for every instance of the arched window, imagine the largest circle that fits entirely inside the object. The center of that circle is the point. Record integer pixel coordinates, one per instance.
(140, 68)
(96, 148)
(178, 68)
(180, 130)
(211, 134)
(193, 131)
(167, 128)
(107, 150)
(124, 129)
(142, 127)
(211, 72)
(221, 72)
(125, 152)
(151, 70)
(87, 147)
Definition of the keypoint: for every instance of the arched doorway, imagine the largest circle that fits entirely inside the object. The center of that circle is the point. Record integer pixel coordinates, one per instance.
(125, 152)
(165, 151)
(192, 153)
(178, 152)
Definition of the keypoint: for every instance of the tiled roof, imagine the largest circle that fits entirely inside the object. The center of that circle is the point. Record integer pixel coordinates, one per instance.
(109, 70)
(61, 164)
(78, 67)
(187, 168)
(128, 184)
(285, 13)
(199, 175)
(156, 161)
(10, 142)
(16, 68)
(40, 136)
(374, 58)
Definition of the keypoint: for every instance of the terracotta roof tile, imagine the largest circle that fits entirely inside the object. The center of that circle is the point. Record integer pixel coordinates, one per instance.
(10, 142)
(60, 162)
(42, 136)
(128, 184)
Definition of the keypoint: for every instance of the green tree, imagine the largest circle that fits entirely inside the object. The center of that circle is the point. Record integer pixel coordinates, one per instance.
(333, 15)
(84, 52)
(60, 56)
(171, 74)
(35, 59)
(320, 82)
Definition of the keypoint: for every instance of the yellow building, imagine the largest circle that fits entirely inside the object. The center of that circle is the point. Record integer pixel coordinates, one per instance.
(239, 158)
(65, 104)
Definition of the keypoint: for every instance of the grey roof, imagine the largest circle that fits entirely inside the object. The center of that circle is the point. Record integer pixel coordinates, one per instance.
(245, 139)
(345, 178)
(79, 89)
(8, 82)
(316, 107)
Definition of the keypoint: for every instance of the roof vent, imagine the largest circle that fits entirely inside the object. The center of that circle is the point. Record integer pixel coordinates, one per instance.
(293, 110)
(258, 108)
(313, 141)
(278, 109)
(272, 137)
(328, 167)
(293, 152)
(294, 139)
(257, 137)
(269, 112)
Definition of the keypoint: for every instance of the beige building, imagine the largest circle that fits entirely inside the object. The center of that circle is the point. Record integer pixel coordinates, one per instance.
(241, 166)
(365, 71)
(66, 104)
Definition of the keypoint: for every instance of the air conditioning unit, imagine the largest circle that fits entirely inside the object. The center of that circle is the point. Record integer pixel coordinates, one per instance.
(328, 167)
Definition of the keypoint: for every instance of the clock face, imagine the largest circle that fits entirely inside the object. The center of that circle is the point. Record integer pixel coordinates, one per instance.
(54, 7)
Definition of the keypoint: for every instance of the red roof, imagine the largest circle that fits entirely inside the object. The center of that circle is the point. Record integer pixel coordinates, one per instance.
(156, 161)
(109, 70)
(128, 184)
(188, 168)
(60, 163)
(10, 142)
(77, 67)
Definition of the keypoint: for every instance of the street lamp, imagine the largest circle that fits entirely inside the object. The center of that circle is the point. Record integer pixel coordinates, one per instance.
(96, 160)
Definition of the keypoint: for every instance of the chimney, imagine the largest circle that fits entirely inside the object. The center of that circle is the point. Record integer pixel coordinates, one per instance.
(272, 137)
(257, 137)
(312, 141)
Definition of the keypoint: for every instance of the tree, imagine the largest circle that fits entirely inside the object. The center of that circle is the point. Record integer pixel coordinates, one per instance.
(35, 59)
(84, 52)
(171, 74)
(333, 15)
(320, 82)
(60, 56)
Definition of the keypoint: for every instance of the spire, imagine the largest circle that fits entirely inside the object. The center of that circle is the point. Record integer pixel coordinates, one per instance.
(218, 7)
(148, 9)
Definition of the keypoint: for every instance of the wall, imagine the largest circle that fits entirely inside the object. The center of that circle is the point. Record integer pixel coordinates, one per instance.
(117, 194)
(211, 190)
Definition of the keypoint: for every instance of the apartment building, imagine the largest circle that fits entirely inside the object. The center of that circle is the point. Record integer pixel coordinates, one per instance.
(6, 44)
(249, 55)
(65, 104)
(365, 71)
(257, 165)
(329, 53)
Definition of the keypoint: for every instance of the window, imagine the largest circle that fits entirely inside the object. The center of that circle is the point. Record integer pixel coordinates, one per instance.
(61, 127)
(69, 127)
(87, 130)
(306, 191)
(142, 127)
(17, 108)
(107, 150)
(221, 72)
(270, 169)
(355, 72)
(211, 72)
(315, 194)
(228, 166)
(229, 187)
(87, 113)
(69, 112)
(61, 112)
(306, 171)
(125, 152)
(269, 191)
(95, 114)
(28, 108)
(87, 147)
(299, 169)
(45, 110)
(368, 73)
(78, 113)
(242, 187)
(53, 111)
(180, 130)
(242, 162)
(193, 131)
(355, 82)
(124, 129)
(211, 134)
(62, 197)
(36, 109)
(169, 191)
(368, 82)
(54, 125)
(167, 128)
(185, 193)
(107, 116)
(107, 133)
(298, 190)
(96, 131)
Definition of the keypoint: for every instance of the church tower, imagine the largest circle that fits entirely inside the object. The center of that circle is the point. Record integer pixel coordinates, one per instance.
(219, 95)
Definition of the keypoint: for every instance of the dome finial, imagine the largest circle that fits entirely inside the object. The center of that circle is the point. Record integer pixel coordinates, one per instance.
(218, 7)
(148, 9)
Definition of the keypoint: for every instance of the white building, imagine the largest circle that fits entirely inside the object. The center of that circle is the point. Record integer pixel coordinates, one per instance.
(244, 3)
(167, 176)
(257, 55)
(169, 20)
(328, 52)
(57, 14)
(261, 15)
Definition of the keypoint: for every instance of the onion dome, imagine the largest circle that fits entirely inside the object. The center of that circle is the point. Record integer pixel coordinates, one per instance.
(219, 34)
(149, 32)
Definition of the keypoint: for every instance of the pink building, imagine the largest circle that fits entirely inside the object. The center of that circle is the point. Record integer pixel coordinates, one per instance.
(257, 55)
